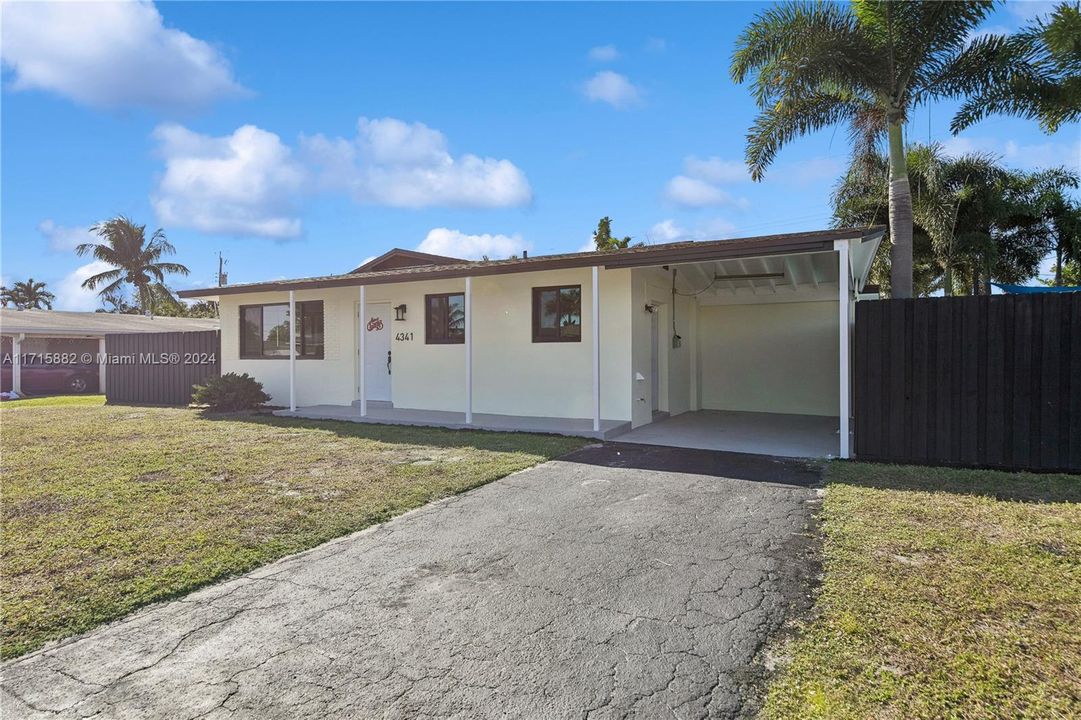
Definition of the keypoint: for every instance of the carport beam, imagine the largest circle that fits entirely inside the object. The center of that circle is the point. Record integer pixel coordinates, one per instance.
(17, 364)
(362, 330)
(595, 322)
(843, 278)
(101, 365)
(469, 351)
(292, 350)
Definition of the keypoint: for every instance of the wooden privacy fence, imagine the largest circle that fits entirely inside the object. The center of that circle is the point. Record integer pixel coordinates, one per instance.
(991, 381)
(159, 368)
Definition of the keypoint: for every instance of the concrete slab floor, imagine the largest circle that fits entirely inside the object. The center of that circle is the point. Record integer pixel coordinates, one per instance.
(780, 435)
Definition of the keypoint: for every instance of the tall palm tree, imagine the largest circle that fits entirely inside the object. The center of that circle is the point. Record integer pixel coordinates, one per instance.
(136, 261)
(27, 295)
(1034, 73)
(816, 64)
(974, 220)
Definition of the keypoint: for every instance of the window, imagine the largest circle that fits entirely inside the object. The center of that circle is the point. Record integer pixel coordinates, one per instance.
(264, 330)
(444, 318)
(557, 314)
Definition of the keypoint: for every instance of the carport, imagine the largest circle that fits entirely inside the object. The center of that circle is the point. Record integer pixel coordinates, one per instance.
(750, 351)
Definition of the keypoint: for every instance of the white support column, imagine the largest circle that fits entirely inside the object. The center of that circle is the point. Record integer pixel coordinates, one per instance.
(844, 275)
(17, 363)
(469, 351)
(101, 364)
(362, 330)
(595, 321)
(292, 350)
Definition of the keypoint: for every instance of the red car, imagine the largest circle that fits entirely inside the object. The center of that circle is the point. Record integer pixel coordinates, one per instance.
(42, 378)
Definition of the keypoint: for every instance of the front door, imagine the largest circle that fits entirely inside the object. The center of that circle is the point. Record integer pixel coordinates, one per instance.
(377, 360)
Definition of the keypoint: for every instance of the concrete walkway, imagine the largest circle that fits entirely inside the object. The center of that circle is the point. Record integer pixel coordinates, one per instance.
(622, 580)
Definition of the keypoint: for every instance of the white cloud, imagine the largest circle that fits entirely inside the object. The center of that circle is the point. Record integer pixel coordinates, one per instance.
(669, 230)
(604, 53)
(656, 45)
(240, 184)
(699, 185)
(811, 170)
(394, 163)
(71, 295)
(63, 239)
(1027, 156)
(111, 54)
(612, 88)
(715, 169)
(455, 243)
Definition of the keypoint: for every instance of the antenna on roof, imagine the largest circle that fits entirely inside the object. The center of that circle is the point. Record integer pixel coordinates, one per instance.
(223, 278)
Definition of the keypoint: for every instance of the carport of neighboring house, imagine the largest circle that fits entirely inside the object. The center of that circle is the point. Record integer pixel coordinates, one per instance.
(739, 345)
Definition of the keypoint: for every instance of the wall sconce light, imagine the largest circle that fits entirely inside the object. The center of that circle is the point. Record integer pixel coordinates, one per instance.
(651, 307)
(399, 312)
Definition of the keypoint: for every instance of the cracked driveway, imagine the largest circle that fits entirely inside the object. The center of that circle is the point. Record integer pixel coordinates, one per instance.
(619, 581)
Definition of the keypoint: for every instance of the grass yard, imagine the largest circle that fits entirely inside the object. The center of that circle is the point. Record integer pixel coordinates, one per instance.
(108, 508)
(947, 594)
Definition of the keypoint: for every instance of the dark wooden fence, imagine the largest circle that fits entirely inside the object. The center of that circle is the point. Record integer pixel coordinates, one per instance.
(159, 368)
(992, 381)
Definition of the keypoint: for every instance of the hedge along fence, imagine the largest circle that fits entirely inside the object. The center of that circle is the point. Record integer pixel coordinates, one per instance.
(159, 368)
(990, 381)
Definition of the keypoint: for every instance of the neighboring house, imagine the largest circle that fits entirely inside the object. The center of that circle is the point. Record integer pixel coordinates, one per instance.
(50, 351)
(747, 333)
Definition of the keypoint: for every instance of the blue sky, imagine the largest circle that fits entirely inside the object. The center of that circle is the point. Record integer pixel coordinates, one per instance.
(302, 138)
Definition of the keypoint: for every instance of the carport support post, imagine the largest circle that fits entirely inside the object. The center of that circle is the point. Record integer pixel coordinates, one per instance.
(292, 350)
(595, 321)
(17, 363)
(469, 351)
(101, 365)
(844, 276)
(362, 329)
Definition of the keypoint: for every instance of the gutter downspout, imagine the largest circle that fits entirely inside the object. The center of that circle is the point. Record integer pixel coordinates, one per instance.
(292, 351)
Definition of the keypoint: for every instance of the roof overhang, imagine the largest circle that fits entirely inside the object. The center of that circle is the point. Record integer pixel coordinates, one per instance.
(646, 256)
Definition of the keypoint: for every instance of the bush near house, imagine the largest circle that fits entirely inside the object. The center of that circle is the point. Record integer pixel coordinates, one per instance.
(230, 393)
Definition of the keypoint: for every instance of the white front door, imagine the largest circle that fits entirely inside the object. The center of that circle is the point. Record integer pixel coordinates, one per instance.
(377, 361)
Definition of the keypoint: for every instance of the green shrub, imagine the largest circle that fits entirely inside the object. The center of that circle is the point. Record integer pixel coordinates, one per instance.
(230, 392)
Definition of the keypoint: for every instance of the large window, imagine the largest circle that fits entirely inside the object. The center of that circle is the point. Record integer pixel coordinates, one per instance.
(557, 314)
(264, 330)
(444, 318)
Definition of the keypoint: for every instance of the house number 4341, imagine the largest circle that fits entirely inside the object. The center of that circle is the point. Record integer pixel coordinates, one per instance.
(403, 336)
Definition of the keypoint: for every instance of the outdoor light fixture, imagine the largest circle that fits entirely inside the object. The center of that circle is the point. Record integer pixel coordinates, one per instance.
(651, 307)
(399, 312)
(750, 276)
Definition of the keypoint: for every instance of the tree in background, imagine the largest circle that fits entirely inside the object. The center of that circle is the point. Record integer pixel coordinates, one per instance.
(813, 65)
(1057, 216)
(136, 262)
(974, 220)
(27, 295)
(602, 237)
(1034, 74)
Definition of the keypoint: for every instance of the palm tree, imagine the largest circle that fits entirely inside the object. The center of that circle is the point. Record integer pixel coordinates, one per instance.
(1056, 216)
(974, 220)
(135, 260)
(27, 295)
(1034, 74)
(814, 65)
(602, 237)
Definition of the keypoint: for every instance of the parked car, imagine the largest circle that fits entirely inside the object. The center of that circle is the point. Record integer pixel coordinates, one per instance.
(39, 378)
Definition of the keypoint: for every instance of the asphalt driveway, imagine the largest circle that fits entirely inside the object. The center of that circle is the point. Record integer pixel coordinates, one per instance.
(620, 581)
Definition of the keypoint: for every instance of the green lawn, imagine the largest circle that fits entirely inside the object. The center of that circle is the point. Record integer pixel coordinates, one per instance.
(107, 508)
(946, 594)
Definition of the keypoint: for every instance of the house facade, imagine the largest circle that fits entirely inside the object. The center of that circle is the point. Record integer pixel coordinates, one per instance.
(595, 343)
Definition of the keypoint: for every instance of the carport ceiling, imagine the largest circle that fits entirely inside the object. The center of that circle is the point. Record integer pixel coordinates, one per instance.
(762, 275)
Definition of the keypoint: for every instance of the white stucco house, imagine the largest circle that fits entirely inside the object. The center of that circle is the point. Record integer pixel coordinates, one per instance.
(740, 344)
